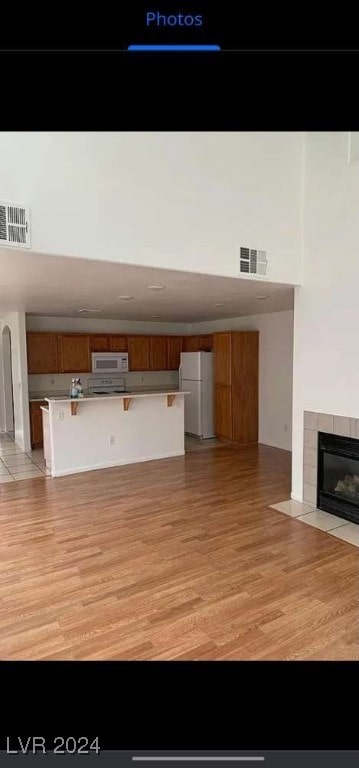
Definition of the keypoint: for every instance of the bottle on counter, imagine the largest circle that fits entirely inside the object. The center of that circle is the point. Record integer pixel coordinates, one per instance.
(73, 389)
(79, 387)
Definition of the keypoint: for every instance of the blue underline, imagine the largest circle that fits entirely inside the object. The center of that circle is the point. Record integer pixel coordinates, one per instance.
(173, 48)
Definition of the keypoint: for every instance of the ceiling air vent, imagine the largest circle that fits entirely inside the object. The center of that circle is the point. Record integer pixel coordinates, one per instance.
(252, 262)
(14, 225)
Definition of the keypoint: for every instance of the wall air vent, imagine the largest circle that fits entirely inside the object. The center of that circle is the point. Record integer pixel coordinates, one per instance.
(252, 262)
(14, 225)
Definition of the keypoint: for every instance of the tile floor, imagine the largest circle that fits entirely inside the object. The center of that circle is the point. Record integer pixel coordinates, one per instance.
(16, 465)
(192, 443)
(335, 526)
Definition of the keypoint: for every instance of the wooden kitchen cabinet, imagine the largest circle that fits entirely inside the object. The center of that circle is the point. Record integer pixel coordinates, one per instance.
(236, 385)
(199, 343)
(174, 349)
(223, 412)
(117, 343)
(138, 353)
(74, 352)
(99, 343)
(191, 344)
(36, 423)
(205, 343)
(222, 347)
(158, 353)
(42, 353)
(245, 352)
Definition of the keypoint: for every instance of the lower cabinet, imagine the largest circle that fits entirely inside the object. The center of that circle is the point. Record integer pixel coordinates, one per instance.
(223, 412)
(36, 423)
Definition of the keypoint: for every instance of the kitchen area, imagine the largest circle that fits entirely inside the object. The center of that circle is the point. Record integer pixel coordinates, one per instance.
(106, 363)
(138, 396)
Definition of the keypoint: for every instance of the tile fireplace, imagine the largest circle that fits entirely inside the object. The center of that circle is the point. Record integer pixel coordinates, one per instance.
(331, 464)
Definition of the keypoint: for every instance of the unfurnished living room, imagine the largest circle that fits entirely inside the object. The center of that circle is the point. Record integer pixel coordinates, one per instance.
(179, 418)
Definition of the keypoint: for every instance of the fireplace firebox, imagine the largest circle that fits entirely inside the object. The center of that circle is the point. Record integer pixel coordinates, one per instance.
(338, 476)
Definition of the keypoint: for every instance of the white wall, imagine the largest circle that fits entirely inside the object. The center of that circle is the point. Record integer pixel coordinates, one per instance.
(181, 201)
(97, 325)
(275, 371)
(16, 323)
(326, 314)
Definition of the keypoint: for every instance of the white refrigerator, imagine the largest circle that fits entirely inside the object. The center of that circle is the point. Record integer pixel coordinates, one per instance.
(196, 376)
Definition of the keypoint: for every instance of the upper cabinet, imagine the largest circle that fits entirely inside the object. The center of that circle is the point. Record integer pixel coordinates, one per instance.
(199, 343)
(117, 343)
(174, 349)
(222, 345)
(42, 353)
(74, 352)
(191, 344)
(138, 353)
(158, 353)
(205, 343)
(99, 343)
(53, 352)
(58, 353)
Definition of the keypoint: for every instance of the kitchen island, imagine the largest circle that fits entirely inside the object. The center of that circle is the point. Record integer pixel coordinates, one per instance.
(95, 432)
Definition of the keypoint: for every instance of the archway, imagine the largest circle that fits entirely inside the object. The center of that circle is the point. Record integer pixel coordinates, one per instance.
(9, 422)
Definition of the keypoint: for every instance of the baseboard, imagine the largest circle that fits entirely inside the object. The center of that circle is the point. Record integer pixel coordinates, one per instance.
(297, 498)
(279, 447)
(111, 464)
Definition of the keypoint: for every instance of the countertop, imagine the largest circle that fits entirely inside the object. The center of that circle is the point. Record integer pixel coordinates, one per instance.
(36, 396)
(62, 394)
(118, 396)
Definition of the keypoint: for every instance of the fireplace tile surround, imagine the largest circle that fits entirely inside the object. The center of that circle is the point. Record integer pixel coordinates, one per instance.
(306, 511)
(314, 422)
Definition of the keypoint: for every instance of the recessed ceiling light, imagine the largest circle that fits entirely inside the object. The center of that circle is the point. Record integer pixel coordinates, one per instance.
(92, 311)
(261, 298)
(126, 298)
(219, 304)
(157, 287)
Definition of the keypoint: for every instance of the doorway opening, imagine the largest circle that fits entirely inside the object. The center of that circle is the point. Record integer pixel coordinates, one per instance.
(9, 418)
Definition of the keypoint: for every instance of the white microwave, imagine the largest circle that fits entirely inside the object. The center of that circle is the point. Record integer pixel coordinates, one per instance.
(109, 362)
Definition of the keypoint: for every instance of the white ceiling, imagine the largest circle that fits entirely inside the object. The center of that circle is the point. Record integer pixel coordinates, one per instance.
(58, 286)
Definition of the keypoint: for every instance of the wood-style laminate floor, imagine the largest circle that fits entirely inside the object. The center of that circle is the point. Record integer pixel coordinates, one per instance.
(173, 559)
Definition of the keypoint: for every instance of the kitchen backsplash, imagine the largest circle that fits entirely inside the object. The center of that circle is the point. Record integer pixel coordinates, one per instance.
(58, 382)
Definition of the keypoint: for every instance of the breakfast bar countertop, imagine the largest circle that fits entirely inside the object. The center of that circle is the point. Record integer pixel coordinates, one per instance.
(117, 396)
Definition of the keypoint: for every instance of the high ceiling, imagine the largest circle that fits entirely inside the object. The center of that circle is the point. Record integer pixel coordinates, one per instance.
(59, 286)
